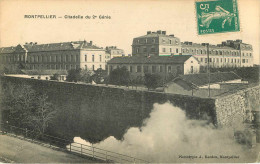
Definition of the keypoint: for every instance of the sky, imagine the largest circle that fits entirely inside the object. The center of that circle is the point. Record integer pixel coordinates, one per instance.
(129, 19)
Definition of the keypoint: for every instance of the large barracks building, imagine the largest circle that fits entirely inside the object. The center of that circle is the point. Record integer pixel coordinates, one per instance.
(227, 54)
(54, 56)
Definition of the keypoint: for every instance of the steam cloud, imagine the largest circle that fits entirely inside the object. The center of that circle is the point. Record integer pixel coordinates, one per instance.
(168, 136)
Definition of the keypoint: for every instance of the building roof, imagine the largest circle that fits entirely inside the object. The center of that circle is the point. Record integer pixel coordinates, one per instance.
(202, 78)
(34, 47)
(4, 50)
(60, 46)
(197, 45)
(178, 59)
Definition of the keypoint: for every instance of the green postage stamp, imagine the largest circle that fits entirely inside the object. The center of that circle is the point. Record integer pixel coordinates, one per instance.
(217, 16)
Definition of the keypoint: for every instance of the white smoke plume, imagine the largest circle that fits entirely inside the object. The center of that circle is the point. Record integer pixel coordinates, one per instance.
(168, 136)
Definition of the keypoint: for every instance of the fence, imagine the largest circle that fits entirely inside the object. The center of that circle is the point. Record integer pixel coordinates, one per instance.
(78, 148)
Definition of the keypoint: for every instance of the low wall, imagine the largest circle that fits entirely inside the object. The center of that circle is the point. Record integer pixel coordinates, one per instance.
(96, 112)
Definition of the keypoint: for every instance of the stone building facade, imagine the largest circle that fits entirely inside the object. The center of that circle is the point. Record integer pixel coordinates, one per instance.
(54, 56)
(156, 44)
(230, 53)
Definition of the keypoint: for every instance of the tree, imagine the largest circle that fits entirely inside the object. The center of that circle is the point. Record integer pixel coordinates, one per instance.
(119, 76)
(17, 102)
(42, 115)
(22, 107)
(74, 75)
(86, 75)
(99, 75)
(152, 81)
(54, 77)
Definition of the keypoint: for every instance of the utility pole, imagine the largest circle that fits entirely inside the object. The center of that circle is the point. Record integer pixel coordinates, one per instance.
(208, 69)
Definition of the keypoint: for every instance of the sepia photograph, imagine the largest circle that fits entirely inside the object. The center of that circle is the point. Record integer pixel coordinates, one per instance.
(129, 81)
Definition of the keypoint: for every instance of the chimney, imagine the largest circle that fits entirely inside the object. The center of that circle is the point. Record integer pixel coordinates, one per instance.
(164, 32)
(172, 35)
(90, 42)
(35, 43)
(149, 32)
(159, 32)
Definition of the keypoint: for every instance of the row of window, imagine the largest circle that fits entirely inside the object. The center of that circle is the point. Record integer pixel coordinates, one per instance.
(58, 67)
(169, 41)
(154, 69)
(233, 53)
(12, 58)
(170, 50)
(225, 60)
(50, 58)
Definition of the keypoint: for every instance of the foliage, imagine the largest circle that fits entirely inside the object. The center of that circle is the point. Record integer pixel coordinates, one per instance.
(250, 74)
(54, 77)
(42, 115)
(152, 81)
(119, 76)
(22, 107)
(74, 75)
(85, 75)
(99, 75)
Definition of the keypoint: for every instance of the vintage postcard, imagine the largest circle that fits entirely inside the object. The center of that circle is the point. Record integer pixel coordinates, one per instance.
(129, 81)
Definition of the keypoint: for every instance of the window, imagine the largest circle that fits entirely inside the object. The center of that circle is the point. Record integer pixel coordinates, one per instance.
(163, 49)
(153, 69)
(170, 41)
(243, 60)
(200, 51)
(145, 49)
(163, 40)
(93, 58)
(146, 41)
(213, 60)
(206, 60)
(231, 60)
(100, 66)
(93, 67)
(160, 68)
(67, 58)
(221, 60)
(131, 68)
(191, 69)
(86, 67)
(145, 69)
(177, 50)
(169, 68)
(217, 60)
(138, 69)
(137, 50)
(100, 58)
(153, 40)
(201, 59)
(152, 49)
(77, 58)
(138, 41)
(85, 57)
(111, 68)
(170, 49)
(210, 59)
(191, 61)
(71, 58)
